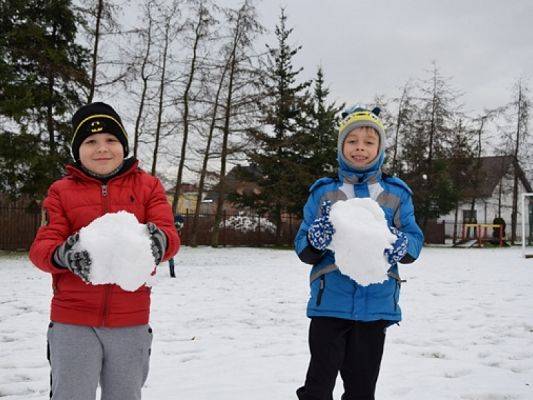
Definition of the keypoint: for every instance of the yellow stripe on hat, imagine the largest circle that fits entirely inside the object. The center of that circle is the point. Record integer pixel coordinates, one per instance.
(360, 116)
(97, 116)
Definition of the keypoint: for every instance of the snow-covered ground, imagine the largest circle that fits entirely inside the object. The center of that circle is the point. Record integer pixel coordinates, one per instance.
(233, 326)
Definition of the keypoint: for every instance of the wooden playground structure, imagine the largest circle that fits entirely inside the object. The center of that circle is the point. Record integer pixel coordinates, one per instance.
(480, 233)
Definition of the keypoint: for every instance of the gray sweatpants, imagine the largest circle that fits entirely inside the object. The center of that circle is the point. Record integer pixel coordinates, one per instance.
(83, 356)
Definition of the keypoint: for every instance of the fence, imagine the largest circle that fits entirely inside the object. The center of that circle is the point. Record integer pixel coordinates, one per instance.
(18, 226)
(448, 232)
(255, 230)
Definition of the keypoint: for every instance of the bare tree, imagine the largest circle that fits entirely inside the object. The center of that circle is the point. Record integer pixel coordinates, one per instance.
(207, 151)
(242, 77)
(169, 32)
(521, 104)
(403, 118)
(201, 32)
(99, 19)
(427, 144)
(147, 41)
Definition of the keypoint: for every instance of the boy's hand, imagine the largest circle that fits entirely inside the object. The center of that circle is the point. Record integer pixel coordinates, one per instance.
(321, 230)
(77, 261)
(159, 241)
(399, 249)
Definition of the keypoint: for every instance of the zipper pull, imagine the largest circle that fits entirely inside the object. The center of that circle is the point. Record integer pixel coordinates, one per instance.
(104, 190)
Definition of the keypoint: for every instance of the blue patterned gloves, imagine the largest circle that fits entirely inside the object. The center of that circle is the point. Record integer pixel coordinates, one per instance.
(399, 248)
(321, 230)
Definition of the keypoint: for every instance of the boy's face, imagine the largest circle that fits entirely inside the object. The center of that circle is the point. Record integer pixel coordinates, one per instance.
(361, 146)
(101, 153)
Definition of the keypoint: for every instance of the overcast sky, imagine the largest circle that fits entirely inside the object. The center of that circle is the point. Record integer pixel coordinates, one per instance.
(374, 47)
(369, 48)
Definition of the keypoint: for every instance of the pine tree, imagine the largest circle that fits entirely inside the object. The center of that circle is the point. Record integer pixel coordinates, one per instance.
(316, 141)
(276, 155)
(320, 146)
(42, 72)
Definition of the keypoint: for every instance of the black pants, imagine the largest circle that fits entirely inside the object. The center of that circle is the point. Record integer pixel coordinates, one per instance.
(354, 348)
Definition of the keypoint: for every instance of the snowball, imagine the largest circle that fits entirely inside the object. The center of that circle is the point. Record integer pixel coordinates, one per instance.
(361, 235)
(120, 250)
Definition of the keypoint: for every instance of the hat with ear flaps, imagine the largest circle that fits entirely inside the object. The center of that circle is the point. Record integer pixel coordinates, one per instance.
(96, 118)
(358, 117)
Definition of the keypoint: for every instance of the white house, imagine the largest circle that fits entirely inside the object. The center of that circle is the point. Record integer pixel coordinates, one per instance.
(492, 196)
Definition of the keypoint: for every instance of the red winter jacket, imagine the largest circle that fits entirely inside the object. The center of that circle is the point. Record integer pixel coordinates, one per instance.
(73, 202)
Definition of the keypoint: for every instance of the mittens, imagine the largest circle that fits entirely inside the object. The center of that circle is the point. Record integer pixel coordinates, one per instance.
(321, 230)
(399, 248)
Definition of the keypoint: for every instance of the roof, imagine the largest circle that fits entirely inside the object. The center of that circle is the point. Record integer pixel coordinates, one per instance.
(235, 184)
(185, 188)
(491, 170)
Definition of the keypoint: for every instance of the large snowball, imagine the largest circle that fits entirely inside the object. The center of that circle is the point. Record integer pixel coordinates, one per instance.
(120, 250)
(361, 235)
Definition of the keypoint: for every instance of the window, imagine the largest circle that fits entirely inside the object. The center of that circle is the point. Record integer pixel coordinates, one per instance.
(469, 216)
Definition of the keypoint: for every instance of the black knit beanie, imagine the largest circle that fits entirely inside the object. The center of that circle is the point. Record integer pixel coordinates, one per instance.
(96, 118)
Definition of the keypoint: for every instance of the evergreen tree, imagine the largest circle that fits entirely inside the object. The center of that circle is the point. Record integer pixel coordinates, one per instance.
(316, 142)
(276, 155)
(320, 140)
(41, 72)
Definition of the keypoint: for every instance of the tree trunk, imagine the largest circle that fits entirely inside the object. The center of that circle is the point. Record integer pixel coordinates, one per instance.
(203, 171)
(223, 156)
(95, 50)
(398, 125)
(161, 97)
(515, 168)
(177, 187)
(456, 218)
(227, 117)
(50, 108)
(144, 78)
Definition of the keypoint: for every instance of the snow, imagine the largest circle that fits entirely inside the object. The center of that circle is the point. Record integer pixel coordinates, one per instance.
(120, 250)
(247, 223)
(232, 325)
(361, 235)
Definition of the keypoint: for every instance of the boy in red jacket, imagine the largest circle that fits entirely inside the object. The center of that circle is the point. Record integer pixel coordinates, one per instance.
(99, 334)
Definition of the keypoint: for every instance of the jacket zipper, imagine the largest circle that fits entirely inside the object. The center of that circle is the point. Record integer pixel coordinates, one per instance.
(396, 284)
(107, 288)
(320, 290)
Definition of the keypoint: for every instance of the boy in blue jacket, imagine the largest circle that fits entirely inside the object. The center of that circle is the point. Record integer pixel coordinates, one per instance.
(348, 321)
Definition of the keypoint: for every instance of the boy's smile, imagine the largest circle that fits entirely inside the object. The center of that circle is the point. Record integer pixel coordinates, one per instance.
(361, 146)
(101, 153)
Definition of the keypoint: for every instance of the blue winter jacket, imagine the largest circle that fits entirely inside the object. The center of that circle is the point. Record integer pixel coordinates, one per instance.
(334, 294)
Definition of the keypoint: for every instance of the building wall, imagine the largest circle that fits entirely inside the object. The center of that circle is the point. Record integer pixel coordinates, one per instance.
(186, 204)
(487, 209)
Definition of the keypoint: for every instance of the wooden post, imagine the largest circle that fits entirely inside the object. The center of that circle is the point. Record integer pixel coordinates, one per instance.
(224, 236)
(259, 229)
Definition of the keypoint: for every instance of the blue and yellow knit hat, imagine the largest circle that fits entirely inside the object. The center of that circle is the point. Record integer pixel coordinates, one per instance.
(357, 117)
